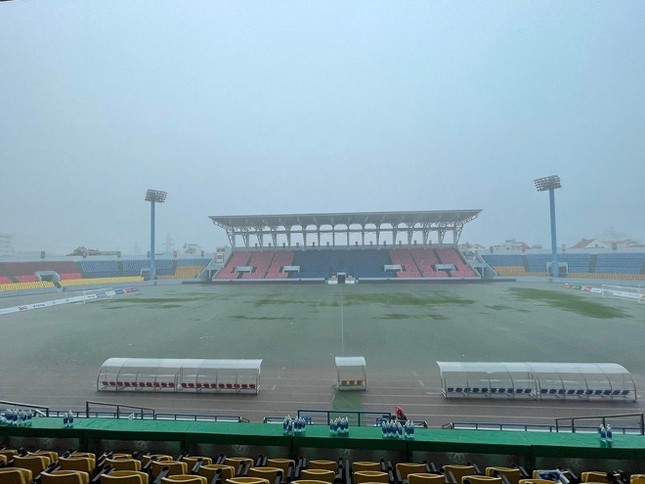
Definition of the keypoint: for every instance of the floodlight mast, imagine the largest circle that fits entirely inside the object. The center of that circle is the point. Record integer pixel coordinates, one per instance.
(550, 184)
(153, 196)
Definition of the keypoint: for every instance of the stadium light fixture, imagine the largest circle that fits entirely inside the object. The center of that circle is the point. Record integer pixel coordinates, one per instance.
(550, 184)
(156, 196)
(547, 183)
(153, 196)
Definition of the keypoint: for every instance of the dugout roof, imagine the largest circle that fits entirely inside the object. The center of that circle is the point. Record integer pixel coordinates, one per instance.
(536, 379)
(352, 226)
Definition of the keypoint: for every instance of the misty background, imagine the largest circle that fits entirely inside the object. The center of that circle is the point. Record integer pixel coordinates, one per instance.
(248, 107)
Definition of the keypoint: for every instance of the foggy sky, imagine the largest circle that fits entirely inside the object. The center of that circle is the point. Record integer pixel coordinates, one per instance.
(249, 107)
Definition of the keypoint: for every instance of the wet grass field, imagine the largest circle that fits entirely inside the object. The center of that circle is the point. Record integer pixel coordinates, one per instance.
(402, 329)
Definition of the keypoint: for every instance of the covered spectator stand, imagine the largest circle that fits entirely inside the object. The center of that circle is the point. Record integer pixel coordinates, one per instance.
(167, 374)
(536, 380)
(352, 373)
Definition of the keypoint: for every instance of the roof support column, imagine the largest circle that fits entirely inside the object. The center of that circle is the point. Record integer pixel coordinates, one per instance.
(274, 235)
(230, 233)
(260, 236)
(441, 234)
(456, 234)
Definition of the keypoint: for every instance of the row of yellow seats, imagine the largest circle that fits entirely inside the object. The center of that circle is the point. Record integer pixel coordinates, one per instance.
(37, 462)
(231, 466)
(139, 477)
(19, 475)
(19, 286)
(593, 477)
(321, 470)
(100, 281)
(510, 270)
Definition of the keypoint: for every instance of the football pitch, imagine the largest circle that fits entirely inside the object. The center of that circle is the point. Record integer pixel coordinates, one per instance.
(51, 356)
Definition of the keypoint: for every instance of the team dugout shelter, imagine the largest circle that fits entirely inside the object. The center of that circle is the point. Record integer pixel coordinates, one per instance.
(536, 380)
(175, 375)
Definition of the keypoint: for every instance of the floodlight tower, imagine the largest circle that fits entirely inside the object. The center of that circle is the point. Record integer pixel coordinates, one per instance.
(153, 196)
(550, 183)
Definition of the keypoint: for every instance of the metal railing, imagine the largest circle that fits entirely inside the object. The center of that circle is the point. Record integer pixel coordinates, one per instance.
(573, 426)
(499, 426)
(277, 419)
(189, 417)
(640, 429)
(131, 412)
(39, 409)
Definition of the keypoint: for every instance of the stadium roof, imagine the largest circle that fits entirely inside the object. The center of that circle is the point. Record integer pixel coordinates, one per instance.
(377, 218)
(423, 221)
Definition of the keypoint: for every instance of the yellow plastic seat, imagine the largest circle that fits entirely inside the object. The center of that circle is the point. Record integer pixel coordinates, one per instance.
(9, 453)
(330, 465)
(371, 482)
(124, 464)
(174, 467)
(512, 474)
(157, 457)
(536, 480)
(64, 477)
(121, 455)
(238, 463)
(370, 476)
(286, 465)
(15, 475)
(365, 465)
(77, 454)
(85, 464)
(637, 479)
(270, 473)
(324, 475)
(246, 480)
(307, 481)
(35, 463)
(51, 454)
(210, 470)
(479, 479)
(455, 472)
(124, 477)
(405, 468)
(593, 476)
(184, 479)
(425, 478)
(191, 460)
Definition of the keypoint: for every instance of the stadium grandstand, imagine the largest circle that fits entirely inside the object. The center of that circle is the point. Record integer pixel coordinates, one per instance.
(361, 246)
(106, 440)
